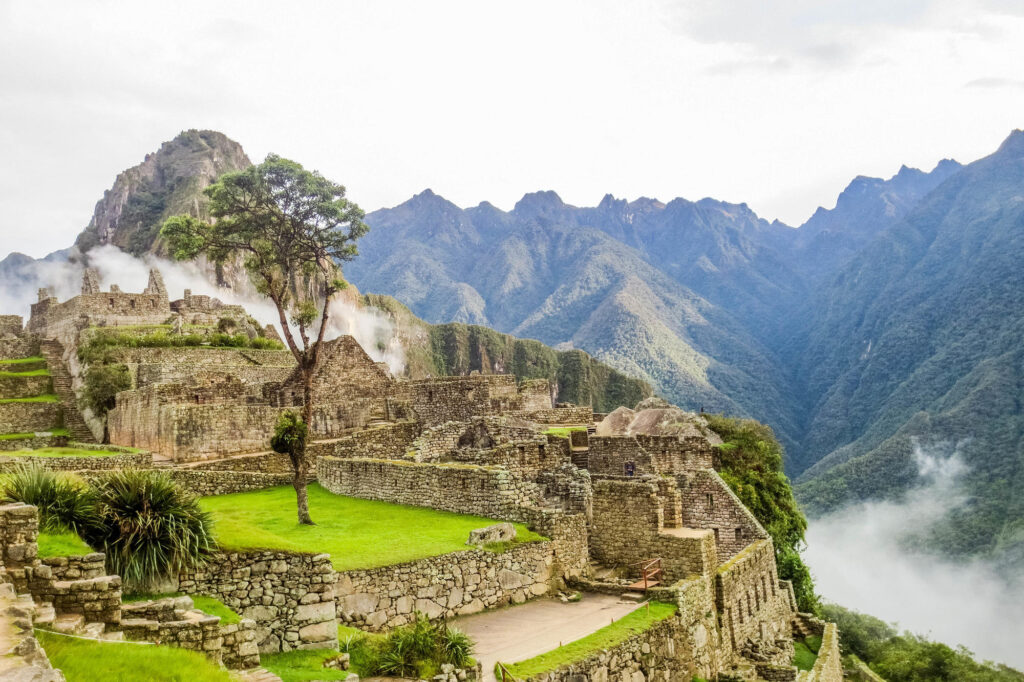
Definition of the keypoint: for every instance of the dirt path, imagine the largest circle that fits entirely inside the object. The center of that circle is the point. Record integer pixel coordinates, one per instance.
(521, 632)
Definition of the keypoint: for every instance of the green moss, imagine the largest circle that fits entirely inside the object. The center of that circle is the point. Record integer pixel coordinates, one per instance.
(88, 660)
(64, 543)
(35, 359)
(46, 398)
(356, 533)
(638, 621)
(563, 431)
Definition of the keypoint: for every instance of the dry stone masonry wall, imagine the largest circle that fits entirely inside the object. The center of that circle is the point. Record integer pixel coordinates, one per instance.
(289, 596)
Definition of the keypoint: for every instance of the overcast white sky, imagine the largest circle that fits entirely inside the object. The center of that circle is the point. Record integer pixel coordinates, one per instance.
(778, 104)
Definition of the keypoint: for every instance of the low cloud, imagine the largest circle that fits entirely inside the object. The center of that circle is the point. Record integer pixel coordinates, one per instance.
(860, 561)
(995, 83)
(18, 290)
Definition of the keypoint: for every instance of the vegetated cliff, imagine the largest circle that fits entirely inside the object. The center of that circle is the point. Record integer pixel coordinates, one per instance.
(459, 349)
(168, 182)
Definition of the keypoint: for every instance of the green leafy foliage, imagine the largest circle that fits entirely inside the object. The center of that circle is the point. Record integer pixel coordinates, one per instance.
(290, 434)
(148, 527)
(416, 650)
(65, 503)
(752, 466)
(907, 657)
(102, 384)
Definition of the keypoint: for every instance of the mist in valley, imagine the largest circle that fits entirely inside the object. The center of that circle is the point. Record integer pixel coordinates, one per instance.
(860, 560)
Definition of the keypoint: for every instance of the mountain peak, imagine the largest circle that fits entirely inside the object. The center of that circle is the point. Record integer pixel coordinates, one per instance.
(539, 203)
(1013, 144)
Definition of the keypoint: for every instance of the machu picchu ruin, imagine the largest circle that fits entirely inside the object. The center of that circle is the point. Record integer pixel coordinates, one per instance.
(621, 513)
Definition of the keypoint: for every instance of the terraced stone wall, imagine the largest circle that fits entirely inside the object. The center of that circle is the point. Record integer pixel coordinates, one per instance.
(709, 502)
(749, 600)
(203, 483)
(444, 586)
(24, 417)
(289, 596)
(620, 455)
(129, 460)
(388, 441)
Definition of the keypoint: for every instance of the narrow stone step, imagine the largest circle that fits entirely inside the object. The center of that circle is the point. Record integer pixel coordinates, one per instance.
(116, 636)
(632, 596)
(69, 623)
(94, 630)
(259, 675)
(45, 614)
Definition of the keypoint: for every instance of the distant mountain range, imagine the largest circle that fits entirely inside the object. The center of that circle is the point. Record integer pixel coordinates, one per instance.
(895, 318)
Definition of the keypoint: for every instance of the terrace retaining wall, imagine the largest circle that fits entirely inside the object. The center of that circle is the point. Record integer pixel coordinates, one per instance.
(23, 387)
(289, 596)
(203, 483)
(132, 460)
(445, 586)
(24, 417)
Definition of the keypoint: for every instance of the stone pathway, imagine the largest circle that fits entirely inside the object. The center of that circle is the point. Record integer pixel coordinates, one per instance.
(256, 675)
(521, 632)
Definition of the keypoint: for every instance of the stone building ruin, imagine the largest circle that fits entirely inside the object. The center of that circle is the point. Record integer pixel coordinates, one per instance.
(630, 502)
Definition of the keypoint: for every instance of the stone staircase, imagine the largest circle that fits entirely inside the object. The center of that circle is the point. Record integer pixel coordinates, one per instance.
(53, 351)
(21, 657)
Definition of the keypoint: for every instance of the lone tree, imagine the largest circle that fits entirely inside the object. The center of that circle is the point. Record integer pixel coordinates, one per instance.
(291, 227)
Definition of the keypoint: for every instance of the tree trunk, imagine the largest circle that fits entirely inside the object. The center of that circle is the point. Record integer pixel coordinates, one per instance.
(300, 463)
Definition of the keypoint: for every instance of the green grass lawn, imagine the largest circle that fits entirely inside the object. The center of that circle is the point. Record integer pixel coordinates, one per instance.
(47, 398)
(62, 544)
(61, 452)
(59, 431)
(303, 666)
(35, 359)
(804, 654)
(608, 636)
(86, 660)
(208, 605)
(27, 373)
(356, 533)
(563, 431)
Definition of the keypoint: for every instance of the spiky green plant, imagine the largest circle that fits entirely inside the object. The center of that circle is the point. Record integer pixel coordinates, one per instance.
(456, 647)
(149, 527)
(64, 502)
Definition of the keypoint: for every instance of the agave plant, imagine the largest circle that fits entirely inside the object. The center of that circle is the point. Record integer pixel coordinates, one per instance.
(149, 527)
(64, 501)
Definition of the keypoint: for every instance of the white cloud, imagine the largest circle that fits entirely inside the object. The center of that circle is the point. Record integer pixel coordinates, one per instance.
(778, 107)
(859, 559)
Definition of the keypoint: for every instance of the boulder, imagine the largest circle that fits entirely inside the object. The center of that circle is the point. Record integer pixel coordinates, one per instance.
(499, 532)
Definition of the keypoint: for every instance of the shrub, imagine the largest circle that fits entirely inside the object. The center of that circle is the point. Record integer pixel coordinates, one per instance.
(226, 325)
(418, 650)
(102, 384)
(64, 503)
(149, 527)
(456, 647)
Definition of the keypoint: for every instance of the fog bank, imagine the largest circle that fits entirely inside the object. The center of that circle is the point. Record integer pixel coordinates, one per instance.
(371, 328)
(858, 561)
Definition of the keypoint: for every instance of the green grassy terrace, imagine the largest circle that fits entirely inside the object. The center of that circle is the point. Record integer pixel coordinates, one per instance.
(805, 652)
(35, 359)
(356, 533)
(87, 660)
(63, 543)
(30, 434)
(563, 431)
(610, 635)
(207, 605)
(61, 452)
(43, 372)
(46, 398)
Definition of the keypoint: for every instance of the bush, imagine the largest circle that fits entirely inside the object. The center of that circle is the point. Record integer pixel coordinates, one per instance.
(102, 384)
(64, 503)
(149, 527)
(417, 650)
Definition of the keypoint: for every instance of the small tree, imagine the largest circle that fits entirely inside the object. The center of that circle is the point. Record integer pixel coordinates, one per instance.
(292, 227)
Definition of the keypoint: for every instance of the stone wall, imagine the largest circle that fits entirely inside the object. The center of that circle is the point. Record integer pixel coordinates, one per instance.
(203, 483)
(22, 387)
(19, 528)
(11, 325)
(97, 599)
(659, 653)
(388, 441)
(289, 596)
(444, 586)
(33, 442)
(174, 621)
(446, 399)
(748, 599)
(23, 417)
(462, 488)
(259, 462)
(709, 502)
(12, 348)
(76, 567)
(829, 665)
(574, 415)
(628, 527)
(129, 460)
(641, 455)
